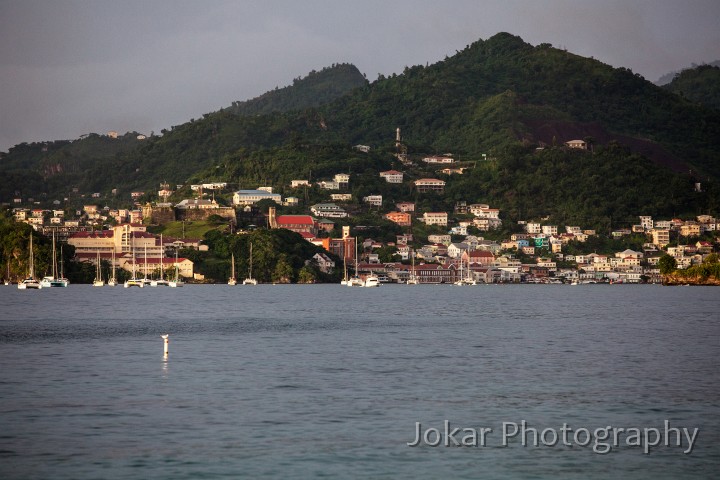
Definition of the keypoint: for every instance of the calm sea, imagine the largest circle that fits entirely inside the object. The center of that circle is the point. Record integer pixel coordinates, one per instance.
(329, 381)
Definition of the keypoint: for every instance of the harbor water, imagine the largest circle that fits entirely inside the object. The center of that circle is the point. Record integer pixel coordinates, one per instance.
(295, 381)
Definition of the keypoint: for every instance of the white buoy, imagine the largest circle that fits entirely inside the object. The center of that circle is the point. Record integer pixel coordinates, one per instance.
(167, 342)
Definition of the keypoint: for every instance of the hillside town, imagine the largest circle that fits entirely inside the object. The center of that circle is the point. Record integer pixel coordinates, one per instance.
(457, 251)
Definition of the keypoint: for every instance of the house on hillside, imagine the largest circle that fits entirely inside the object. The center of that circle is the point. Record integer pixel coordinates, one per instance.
(392, 176)
(425, 185)
(249, 197)
(401, 218)
(578, 144)
(435, 218)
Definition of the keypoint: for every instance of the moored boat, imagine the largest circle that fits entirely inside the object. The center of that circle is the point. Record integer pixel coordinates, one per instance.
(30, 283)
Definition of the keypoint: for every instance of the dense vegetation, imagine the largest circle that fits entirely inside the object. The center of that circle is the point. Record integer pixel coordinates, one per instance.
(278, 256)
(53, 168)
(700, 84)
(317, 88)
(500, 97)
(15, 253)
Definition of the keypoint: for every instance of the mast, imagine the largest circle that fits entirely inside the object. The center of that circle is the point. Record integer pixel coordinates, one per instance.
(132, 253)
(62, 263)
(345, 265)
(356, 257)
(251, 260)
(54, 258)
(32, 263)
(162, 256)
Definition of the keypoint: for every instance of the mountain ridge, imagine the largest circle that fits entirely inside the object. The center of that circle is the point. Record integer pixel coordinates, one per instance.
(499, 97)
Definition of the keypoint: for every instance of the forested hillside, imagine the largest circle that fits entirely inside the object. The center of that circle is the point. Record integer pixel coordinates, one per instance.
(700, 84)
(497, 99)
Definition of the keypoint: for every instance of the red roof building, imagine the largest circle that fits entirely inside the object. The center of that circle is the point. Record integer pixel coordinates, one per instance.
(297, 223)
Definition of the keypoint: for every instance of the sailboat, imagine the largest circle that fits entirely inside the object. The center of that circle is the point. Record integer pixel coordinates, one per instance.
(355, 281)
(345, 280)
(467, 278)
(52, 280)
(177, 281)
(232, 280)
(161, 282)
(30, 282)
(112, 281)
(412, 279)
(7, 278)
(64, 281)
(250, 280)
(98, 282)
(134, 281)
(145, 279)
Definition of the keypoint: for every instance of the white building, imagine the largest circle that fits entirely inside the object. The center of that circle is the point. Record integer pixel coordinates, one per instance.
(435, 218)
(646, 222)
(328, 210)
(341, 197)
(328, 185)
(438, 160)
(249, 197)
(532, 227)
(429, 185)
(342, 178)
(392, 176)
(374, 200)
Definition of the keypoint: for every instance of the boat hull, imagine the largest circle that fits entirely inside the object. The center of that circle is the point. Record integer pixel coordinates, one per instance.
(29, 284)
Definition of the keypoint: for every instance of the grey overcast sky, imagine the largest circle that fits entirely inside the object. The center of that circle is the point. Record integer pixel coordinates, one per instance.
(70, 67)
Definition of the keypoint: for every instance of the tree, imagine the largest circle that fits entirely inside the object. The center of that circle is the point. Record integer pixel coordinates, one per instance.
(667, 264)
(283, 270)
(387, 254)
(306, 275)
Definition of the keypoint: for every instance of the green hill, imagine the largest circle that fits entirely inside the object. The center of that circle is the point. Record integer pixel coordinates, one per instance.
(499, 98)
(700, 84)
(317, 88)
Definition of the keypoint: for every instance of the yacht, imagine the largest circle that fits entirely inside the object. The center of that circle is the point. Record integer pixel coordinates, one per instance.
(412, 279)
(112, 281)
(30, 282)
(134, 281)
(371, 281)
(53, 280)
(467, 279)
(177, 281)
(355, 280)
(232, 280)
(98, 282)
(250, 280)
(160, 282)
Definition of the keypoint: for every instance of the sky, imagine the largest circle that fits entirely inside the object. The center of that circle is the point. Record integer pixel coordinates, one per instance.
(71, 67)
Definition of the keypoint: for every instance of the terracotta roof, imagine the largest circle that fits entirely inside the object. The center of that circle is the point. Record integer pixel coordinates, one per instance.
(295, 220)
